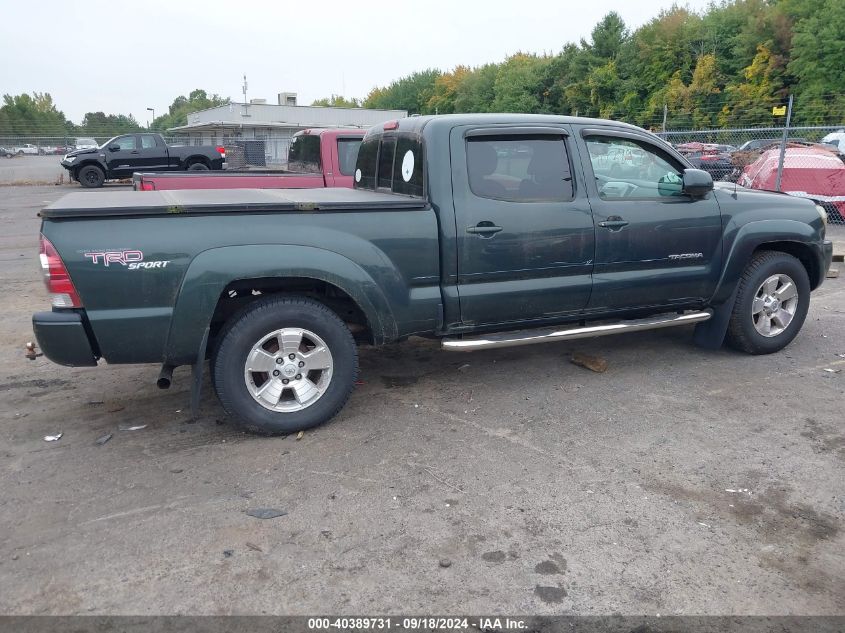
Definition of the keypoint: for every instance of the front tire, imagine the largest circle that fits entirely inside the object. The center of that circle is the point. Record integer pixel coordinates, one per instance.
(91, 177)
(284, 364)
(197, 167)
(771, 304)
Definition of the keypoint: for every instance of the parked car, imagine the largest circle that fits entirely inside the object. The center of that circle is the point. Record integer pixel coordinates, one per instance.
(808, 172)
(122, 155)
(837, 139)
(8, 152)
(316, 158)
(85, 143)
(449, 232)
(717, 164)
(761, 143)
(27, 148)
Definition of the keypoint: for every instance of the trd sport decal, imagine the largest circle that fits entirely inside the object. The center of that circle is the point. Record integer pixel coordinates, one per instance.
(133, 260)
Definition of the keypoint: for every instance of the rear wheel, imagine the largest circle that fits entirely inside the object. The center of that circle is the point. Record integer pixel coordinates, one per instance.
(197, 167)
(771, 304)
(91, 177)
(284, 364)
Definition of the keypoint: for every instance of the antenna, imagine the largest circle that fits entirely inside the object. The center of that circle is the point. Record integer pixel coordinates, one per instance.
(244, 90)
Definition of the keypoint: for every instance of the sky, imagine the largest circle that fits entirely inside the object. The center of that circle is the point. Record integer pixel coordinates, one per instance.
(122, 58)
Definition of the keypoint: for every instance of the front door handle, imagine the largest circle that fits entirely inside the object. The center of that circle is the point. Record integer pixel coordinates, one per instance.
(485, 229)
(613, 222)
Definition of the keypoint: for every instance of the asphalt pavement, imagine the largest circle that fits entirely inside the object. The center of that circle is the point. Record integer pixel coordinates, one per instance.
(680, 481)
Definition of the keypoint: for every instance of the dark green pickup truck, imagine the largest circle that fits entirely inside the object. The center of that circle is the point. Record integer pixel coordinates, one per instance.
(485, 230)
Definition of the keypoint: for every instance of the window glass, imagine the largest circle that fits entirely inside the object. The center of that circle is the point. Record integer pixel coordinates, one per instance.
(125, 143)
(347, 154)
(625, 168)
(408, 167)
(365, 166)
(385, 163)
(148, 141)
(304, 154)
(519, 168)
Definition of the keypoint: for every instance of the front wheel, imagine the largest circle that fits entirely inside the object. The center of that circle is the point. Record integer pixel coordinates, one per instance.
(91, 177)
(284, 364)
(771, 304)
(198, 167)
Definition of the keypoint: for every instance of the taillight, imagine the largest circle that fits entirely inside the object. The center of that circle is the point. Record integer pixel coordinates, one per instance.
(147, 186)
(222, 151)
(59, 285)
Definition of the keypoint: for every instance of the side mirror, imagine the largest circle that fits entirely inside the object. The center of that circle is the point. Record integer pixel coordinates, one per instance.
(697, 183)
(114, 148)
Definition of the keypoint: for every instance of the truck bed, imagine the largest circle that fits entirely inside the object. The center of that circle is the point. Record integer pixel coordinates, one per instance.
(197, 201)
(252, 179)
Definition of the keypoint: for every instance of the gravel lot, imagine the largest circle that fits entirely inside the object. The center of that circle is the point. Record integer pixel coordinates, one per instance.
(680, 481)
(27, 169)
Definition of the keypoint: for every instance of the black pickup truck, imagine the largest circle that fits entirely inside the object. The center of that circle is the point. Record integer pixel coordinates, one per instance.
(121, 156)
(486, 231)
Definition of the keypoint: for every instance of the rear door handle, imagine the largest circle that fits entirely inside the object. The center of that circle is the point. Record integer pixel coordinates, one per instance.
(484, 228)
(613, 222)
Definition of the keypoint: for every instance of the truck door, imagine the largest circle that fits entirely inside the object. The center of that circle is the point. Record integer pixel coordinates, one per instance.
(122, 156)
(152, 153)
(525, 232)
(655, 246)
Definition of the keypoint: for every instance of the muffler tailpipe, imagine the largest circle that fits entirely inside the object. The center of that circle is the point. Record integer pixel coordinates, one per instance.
(165, 376)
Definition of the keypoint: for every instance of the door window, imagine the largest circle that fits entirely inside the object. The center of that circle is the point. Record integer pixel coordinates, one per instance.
(519, 168)
(148, 141)
(630, 169)
(125, 143)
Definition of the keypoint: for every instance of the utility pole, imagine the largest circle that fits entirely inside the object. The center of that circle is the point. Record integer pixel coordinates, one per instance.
(783, 144)
(665, 113)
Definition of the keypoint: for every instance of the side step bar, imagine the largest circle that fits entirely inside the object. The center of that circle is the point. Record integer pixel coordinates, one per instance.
(551, 335)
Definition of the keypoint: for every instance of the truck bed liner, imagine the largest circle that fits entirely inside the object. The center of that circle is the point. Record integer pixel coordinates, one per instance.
(196, 201)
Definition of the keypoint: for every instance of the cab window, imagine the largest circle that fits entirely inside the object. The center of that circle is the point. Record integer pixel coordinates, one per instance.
(125, 143)
(629, 169)
(347, 154)
(519, 168)
(365, 166)
(408, 167)
(385, 164)
(148, 141)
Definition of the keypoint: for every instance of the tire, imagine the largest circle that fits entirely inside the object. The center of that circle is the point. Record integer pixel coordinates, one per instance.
(764, 297)
(197, 167)
(251, 339)
(91, 177)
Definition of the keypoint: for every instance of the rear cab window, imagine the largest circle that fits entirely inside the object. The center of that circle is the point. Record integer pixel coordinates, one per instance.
(391, 163)
(347, 154)
(304, 154)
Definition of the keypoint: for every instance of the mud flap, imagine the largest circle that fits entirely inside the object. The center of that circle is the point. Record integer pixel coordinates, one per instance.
(711, 333)
(196, 376)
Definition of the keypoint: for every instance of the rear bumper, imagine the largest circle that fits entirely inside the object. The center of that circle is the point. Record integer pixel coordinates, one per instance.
(63, 339)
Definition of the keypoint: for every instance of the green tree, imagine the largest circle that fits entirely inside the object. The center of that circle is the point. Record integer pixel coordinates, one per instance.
(337, 101)
(818, 52)
(411, 93)
(182, 106)
(101, 124)
(519, 85)
(32, 115)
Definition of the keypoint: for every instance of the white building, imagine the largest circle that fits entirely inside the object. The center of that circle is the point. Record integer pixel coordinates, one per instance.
(273, 123)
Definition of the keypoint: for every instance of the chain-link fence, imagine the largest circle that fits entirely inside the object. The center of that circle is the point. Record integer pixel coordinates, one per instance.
(49, 145)
(810, 164)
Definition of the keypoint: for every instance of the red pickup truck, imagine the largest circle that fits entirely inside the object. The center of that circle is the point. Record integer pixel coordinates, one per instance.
(317, 158)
